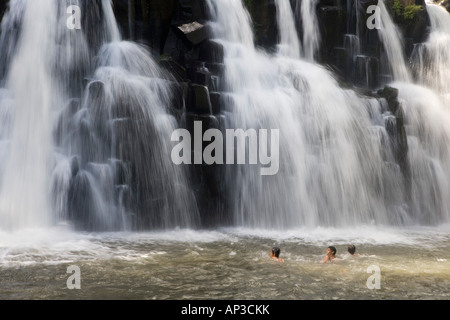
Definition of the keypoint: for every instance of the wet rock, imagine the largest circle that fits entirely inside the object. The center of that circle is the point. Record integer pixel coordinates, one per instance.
(3, 5)
(391, 96)
(366, 71)
(202, 75)
(124, 133)
(81, 202)
(173, 67)
(199, 10)
(211, 51)
(200, 99)
(217, 69)
(265, 28)
(178, 95)
(125, 13)
(192, 34)
(162, 12)
(332, 26)
(208, 122)
(65, 120)
(122, 171)
(215, 102)
(396, 129)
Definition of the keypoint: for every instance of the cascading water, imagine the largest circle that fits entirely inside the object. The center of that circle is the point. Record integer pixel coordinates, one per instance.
(95, 155)
(391, 39)
(426, 122)
(336, 168)
(432, 58)
(306, 12)
(80, 146)
(427, 114)
(289, 41)
(24, 191)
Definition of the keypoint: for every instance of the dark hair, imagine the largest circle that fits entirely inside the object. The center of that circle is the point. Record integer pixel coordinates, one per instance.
(333, 249)
(276, 251)
(351, 249)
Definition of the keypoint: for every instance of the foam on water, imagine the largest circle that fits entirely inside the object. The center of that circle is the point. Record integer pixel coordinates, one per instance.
(373, 235)
(62, 245)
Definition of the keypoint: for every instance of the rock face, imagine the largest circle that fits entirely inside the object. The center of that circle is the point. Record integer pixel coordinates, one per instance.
(397, 132)
(2, 9)
(263, 13)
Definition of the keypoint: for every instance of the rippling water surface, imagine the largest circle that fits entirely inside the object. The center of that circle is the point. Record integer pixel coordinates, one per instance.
(225, 264)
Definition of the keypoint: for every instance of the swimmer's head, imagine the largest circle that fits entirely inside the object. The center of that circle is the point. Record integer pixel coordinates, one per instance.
(332, 249)
(351, 249)
(275, 252)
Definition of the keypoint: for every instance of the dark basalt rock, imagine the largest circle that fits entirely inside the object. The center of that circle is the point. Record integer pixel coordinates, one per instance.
(396, 130)
(3, 5)
(192, 34)
(173, 67)
(263, 15)
(211, 51)
(215, 102)
(332, 27)
(200, 99)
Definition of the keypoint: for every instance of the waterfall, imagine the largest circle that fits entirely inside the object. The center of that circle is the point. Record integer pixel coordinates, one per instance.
(289, 41)
(84, 125)
(426, 122)
(426, 118)
(391, 39)
(111, 29)
(336, 163)
(432, 59)
(306, 11)
(86, 119)
(24, 191)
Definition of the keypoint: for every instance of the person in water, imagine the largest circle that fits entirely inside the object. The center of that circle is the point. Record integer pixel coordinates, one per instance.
(331, 254)
(275, 254)
(351, 249)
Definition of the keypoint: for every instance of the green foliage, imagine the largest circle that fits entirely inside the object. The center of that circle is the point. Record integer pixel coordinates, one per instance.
(406, 13)
(411, 11)
(398, 8)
